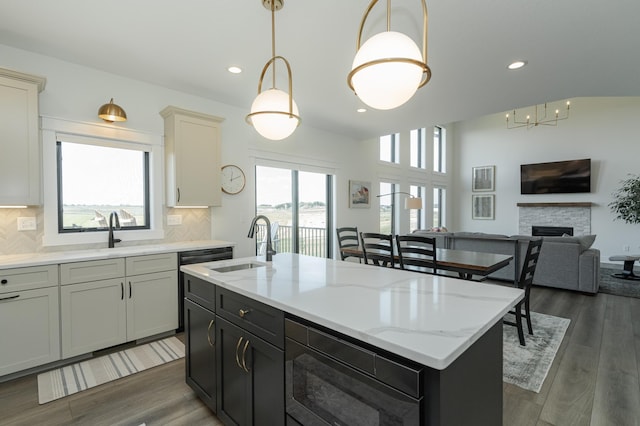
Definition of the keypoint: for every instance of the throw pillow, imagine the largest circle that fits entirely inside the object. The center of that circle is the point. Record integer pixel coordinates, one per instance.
(586, 241)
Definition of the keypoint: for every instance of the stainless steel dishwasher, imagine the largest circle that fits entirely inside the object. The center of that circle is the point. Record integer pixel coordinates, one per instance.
(197, 256)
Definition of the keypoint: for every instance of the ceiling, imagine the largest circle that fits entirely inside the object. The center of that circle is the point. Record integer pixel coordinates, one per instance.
(574, 48)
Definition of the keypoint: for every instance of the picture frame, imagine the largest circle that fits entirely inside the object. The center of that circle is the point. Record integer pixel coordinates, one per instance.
(483, 178)
(483, 207)
(359, 194)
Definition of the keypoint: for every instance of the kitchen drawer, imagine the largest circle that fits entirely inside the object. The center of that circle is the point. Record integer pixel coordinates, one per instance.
(147, 264)
(262, 320)
(200, 291)
(93, 270)
(29, 278)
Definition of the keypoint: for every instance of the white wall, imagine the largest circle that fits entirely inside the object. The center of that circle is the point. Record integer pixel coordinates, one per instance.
(603, 129)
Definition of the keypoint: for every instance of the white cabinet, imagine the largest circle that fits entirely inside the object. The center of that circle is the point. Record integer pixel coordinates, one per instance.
(19, 138)
(192, 157)
(113, 301)
(29, 318)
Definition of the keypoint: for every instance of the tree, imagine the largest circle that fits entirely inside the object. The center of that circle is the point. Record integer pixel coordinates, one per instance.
(626, 203)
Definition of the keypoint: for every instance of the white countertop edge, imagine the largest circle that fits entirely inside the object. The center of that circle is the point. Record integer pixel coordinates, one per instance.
(40, 259)
(418, 356)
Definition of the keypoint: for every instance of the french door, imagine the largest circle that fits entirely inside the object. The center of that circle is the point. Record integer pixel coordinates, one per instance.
(298, 204)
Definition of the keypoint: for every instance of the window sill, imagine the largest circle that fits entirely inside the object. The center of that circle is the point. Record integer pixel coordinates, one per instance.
(100, 237)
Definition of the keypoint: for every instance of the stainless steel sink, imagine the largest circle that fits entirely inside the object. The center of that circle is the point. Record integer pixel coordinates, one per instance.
(238, 267)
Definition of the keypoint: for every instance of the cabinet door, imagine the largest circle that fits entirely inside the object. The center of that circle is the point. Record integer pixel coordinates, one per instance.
(29, 329)
(93, 316)
(152, 304)
(250, 378)
(200, 354)
(20, 148)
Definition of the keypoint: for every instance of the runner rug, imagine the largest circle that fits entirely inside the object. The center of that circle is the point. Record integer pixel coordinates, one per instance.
(527, 366)
(83, 375)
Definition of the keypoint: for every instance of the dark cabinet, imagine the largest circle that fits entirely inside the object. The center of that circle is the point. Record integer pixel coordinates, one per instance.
(250, 377)
(200, 359)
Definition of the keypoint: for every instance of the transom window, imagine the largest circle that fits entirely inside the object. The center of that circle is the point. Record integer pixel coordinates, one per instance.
(390, 148)
(439, 150)
(417, 138)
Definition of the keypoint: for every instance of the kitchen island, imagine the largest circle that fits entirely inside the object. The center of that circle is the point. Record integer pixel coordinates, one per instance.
(447, 330)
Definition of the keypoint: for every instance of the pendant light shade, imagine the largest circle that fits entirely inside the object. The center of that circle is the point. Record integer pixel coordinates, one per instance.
(270, 115)
(111, 112)
(389, 67)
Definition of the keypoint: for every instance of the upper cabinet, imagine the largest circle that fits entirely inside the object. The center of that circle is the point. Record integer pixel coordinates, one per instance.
(192, 157)
(19, 138)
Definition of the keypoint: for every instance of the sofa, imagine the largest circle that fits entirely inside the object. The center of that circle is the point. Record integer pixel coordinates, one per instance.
(565, 262)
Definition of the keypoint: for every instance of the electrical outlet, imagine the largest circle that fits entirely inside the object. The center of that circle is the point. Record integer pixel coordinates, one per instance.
(27, 224)
(625, 248)
(174, 219)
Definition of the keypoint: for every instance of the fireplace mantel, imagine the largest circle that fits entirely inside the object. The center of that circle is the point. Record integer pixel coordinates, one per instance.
(584, 204)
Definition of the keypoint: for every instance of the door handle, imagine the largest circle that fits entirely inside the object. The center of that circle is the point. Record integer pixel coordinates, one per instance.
(237, 355)
(209, 332)
(10, 297)
(244, 358)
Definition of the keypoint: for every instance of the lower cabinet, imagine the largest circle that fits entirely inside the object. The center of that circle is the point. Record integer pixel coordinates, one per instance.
(250, 375)
(200, 354)
(29, 331)
(152, 304)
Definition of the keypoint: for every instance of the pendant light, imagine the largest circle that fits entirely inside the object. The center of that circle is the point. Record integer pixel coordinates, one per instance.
(274, 114)
(111, 112)
(389, 67)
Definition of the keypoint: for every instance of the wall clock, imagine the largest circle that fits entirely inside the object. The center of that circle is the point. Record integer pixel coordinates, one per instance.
(233, 179)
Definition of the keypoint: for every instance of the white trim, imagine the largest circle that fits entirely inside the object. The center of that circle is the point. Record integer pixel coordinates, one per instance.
(54, 129)
(292, 162)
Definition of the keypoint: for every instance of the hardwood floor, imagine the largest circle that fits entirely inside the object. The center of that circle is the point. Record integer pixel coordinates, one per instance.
(594, 379)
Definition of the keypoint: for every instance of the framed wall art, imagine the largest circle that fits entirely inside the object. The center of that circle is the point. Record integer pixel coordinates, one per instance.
(359, 194)
(483, 207)
(483, 178)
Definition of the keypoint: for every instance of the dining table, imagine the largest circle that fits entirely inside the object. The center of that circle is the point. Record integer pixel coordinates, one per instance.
(465, 263)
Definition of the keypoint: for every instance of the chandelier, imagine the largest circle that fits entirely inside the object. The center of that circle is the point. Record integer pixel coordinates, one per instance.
(539, 118)
(389, 67)
(274, 114)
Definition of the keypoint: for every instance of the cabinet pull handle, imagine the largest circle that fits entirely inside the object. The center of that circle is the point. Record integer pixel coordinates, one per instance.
(244, 359)
(237, 355)
(10, 297)
(209, 332)
(129, 289)
(4, 281)
(178, 194)
(121, 291)
(243, 312)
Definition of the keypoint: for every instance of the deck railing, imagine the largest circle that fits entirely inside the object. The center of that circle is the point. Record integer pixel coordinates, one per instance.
(311, 241)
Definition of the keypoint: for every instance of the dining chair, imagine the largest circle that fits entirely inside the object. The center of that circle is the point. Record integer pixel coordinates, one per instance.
(348, 238)
(524, 283)
(417, 253)
(377, 249)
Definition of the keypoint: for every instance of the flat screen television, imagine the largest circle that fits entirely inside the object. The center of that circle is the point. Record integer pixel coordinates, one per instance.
(558, 177)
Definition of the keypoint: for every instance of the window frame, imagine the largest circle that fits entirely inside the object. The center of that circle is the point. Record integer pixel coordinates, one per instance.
(54, 129)
(439, 143)
(394, 149)
(420, 142)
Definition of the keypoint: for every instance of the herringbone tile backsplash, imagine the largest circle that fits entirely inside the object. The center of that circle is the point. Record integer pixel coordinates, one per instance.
(196, 225)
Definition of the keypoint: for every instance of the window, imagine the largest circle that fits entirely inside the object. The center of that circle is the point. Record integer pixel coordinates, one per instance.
(417, 141)
(439, 203)
(439, 150)
(416, 217)
(387, 208)
(390, 148)
(95, 180)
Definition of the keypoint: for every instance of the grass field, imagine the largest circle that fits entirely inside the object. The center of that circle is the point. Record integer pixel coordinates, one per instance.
(98, 216)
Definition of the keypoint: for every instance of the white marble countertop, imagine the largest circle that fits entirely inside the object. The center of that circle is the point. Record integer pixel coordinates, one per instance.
(426, 318)
(37, 259)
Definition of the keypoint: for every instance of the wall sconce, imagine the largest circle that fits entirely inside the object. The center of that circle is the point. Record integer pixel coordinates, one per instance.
(411, 203)
(111, 112)
(389, 67)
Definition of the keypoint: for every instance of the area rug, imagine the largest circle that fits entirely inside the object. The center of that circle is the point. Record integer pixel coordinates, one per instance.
(83, 375)
(527, 366)
(618, 286)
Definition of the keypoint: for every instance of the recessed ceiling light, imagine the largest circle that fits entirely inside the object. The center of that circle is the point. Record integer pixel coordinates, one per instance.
(516, 65)
(361, 110)
(234, 70)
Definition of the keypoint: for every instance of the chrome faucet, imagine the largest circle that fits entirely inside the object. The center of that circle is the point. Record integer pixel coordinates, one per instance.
(252, 230)
(113, 241)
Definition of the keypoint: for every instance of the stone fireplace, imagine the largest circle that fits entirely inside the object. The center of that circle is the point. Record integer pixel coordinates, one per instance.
(573, 215)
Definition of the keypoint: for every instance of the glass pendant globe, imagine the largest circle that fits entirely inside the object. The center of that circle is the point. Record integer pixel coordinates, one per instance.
(274, 126)
(390, 84)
